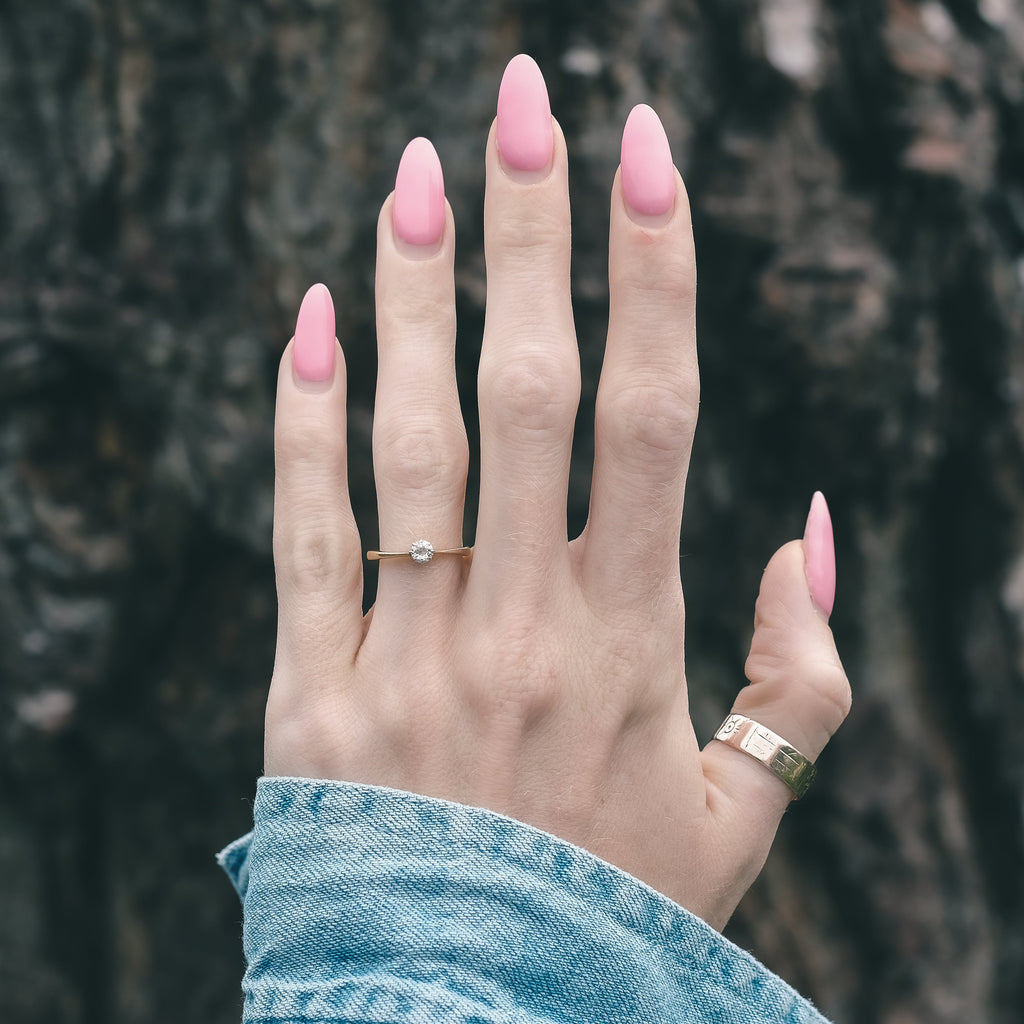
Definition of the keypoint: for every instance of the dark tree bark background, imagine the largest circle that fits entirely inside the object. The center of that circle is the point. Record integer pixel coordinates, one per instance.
(174, 174)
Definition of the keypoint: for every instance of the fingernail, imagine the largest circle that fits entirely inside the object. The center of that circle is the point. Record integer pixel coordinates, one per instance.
(418, 211)
(313, 352)
(820, 555)
(648, 175)
(525, 137)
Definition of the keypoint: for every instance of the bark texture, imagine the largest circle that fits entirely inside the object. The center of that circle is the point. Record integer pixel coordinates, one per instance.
(172, 177)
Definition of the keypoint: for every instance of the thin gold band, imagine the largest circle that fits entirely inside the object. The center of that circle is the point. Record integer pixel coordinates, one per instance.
(378, 556)
(420, 551)
(770, 749)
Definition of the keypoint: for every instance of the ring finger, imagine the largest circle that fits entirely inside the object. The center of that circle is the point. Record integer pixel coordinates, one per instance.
(420, 452)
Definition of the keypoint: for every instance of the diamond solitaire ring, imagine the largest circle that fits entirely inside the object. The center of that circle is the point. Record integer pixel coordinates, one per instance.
(421, 552)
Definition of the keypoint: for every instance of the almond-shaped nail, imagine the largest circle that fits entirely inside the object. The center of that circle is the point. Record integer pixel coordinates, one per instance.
(525, 137)
(648, 175)
(820, 555)
(313, 353)
(418, 211)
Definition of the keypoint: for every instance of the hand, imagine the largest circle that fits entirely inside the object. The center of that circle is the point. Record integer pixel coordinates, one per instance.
(541, 679)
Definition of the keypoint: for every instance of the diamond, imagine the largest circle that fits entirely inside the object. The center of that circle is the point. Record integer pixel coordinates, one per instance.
(422, 551)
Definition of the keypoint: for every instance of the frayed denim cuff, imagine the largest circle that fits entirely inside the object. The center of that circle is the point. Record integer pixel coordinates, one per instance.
(364, 904)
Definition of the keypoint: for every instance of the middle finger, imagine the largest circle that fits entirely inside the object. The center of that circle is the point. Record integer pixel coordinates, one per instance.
(529, 380)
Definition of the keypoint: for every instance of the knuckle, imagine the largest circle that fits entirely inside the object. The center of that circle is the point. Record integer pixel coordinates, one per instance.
(825, 677)
(642, 678)
(304, 447)
(311, 733)
(655, 417)
(418, 457)
(816, 680)
(518, 703)
(516, 242)
(421, 308)
(834, 687)
(511, 680)
(293, 724)
(310, 556)
(667, 275)
(537, 392)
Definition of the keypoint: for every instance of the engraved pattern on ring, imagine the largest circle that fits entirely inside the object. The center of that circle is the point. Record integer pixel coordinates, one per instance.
(769, 749)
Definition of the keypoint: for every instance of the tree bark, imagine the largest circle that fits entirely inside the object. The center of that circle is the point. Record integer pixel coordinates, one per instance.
(173, 176)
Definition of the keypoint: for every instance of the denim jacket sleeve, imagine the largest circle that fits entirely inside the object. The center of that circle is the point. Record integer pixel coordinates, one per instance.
(364, 904)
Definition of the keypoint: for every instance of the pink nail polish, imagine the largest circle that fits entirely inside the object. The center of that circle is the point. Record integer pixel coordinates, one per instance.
(820, 555)
(418, 212)
(525, 137)
(313, 353)
(648, 175)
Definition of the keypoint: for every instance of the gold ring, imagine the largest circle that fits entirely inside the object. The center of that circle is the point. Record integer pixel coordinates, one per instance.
(420, 551)
(779, 757)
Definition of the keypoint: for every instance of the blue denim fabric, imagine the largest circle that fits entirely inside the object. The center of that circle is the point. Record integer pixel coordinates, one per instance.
(365, 904)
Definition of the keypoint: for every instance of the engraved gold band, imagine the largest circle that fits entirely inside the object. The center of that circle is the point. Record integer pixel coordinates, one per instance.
(779, 757)
(420, 551)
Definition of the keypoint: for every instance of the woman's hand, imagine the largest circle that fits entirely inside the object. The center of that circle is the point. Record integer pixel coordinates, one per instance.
(541, 679)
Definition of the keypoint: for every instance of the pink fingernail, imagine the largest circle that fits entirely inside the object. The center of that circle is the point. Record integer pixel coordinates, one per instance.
(820, 555)
(313, 352)
(525, 137)
(418, 211)
(648, 175)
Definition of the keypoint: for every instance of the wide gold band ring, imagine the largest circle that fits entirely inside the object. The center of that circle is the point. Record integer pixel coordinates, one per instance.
(420, 551)
(779, 757)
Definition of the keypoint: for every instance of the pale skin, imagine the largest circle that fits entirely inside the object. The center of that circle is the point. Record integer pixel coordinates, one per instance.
(543, 678)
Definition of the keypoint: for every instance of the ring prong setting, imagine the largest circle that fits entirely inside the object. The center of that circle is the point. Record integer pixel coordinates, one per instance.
(421, 551)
